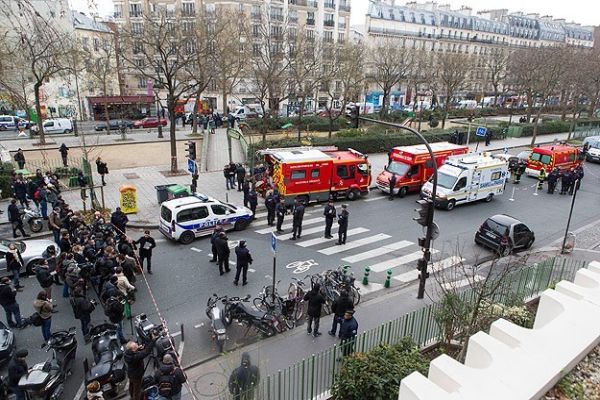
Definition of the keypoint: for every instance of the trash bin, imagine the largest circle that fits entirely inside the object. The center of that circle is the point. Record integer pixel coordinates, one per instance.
(161, 192)
(177, 191)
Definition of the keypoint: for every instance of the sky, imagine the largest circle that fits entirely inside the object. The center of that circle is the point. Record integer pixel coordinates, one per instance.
(586, 12)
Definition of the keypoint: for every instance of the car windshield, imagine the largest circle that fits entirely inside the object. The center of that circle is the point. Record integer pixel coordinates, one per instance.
(543, 158)
(165, 213)
(494, 226)
(398, 168)
(20, 245)
(444, 180)
(231, 206)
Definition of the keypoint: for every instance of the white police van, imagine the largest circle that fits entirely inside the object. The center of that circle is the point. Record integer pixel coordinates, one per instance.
(187, 218)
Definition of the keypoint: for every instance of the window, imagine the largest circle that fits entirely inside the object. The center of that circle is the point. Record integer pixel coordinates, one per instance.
(188, 9)
(328, 36)
(496, 176)
(310, 18)
(413, 170)
(314, 173)
(299, 174)
(141, 82)
(342, 172)
(192, 214)
(219, 209)
(341, 37)
(277, 13)
(118, 11)
(363, 169)
(135, 10)
(188, 26)
(136, 27)
(461, 184)
(165, 213)
(543, 158)
(139, 62)
(571, 157)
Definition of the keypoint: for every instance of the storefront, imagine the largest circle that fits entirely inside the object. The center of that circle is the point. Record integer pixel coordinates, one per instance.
(121, 107)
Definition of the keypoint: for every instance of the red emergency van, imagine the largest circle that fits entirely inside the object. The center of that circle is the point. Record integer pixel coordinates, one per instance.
(550, 156)
(315, 175)
(412, 166)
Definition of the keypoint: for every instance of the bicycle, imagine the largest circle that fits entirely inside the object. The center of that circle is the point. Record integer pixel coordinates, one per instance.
(296, 294)
(276, 306)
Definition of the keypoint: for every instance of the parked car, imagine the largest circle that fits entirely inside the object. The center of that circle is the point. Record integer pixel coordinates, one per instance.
(31, 251)
(114, 124)
(8, 122)
(56, 125)
(504, 234)
(25, 124)
(150, 122)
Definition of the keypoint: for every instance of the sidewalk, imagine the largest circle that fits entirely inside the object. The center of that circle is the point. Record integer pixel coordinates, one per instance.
(213, 183)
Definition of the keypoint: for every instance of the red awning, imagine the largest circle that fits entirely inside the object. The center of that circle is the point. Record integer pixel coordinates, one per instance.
(95, 100)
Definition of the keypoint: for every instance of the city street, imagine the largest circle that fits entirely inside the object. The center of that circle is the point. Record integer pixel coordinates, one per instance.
(382, 235)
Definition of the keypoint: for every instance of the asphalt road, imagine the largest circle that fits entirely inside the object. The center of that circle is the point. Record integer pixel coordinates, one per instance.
(383, 237)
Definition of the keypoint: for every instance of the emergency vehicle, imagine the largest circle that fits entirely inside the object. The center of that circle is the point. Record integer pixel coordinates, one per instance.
(463, 179)
(312, 174)
(550, 156)
(412, 166)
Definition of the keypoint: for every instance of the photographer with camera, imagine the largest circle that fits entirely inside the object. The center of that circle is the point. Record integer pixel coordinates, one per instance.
(134, 359)
(82, 309)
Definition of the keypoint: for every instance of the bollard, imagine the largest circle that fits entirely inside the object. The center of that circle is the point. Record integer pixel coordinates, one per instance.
(365, 280)
(182, 333)
(388, 279)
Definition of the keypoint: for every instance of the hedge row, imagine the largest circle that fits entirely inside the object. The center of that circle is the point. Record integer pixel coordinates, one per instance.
(309, 123)
(6, 170)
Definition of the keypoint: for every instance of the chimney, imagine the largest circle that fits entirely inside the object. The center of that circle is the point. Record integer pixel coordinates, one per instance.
(517, 13)
(561, 20)
(429, 5)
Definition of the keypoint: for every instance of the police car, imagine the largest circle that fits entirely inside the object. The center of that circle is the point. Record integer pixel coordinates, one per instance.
(187, 218)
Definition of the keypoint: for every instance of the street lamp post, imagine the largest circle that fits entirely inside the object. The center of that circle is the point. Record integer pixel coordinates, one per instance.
(564, 243)
(426, 244)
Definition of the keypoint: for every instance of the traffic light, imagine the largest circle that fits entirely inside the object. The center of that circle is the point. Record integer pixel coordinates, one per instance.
(191, 150)
(425, 210)
(354, 114)
(422, 267)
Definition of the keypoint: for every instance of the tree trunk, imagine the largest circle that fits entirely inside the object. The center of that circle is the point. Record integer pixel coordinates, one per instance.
(446, 109)
(384, 101)
(495, 95)
(330, 122)
(172, 137)
(574, 119)
(263, 126)
(300, 114)
(106, 115)
(224, 101)
(536, 123)
(529, 106)
(195, 113)
(563, 105)
(38, 110)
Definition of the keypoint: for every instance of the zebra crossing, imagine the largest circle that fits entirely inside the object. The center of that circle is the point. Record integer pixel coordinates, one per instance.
(364, 248)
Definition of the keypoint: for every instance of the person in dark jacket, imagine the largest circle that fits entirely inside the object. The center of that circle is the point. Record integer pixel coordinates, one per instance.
(82, 310)
(213, 237)
(64, 243)
(45, 278)
(577, 174)
(565, 182)
(246, 190)
(240, 173)
(222, 252)
(169, 379)
(553, 180)
(64, 153)
(119, 220)
(343, 225)
(20, 191)
(244, 379)
(17, 368)
(134, 358)
(280, 211)
(125, 245)
(146, 243)
(102, 169)
(226, 176)
(392, 186)
(297, 217)
(14, 217)
(315, 304)
(348, 331)
(8, 301)
(14, 263)
(270, 205)
(82, 181)
(253, 201)
(231, 174)
(339, 308)
(330, 213)
(243, 261)
(20, 158)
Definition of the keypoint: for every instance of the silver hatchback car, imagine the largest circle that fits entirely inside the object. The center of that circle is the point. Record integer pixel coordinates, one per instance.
(31, 251)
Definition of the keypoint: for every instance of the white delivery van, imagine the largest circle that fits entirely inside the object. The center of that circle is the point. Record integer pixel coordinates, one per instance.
(56, 125)
(467, 104)
(247, 111)
(186, 218)
(462, 179)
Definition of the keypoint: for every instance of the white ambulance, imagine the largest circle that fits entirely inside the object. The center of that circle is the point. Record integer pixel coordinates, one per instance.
(462, 179)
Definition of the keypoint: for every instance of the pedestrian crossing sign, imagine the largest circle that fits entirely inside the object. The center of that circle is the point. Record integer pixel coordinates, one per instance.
(481, 131)
(273, 243)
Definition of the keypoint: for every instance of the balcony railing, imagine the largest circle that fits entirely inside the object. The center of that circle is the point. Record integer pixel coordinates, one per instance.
(293, 20)
(298, 2)
(256, 16)
(329, 22)
(345, 7)
(277, 17)
(310, 22)
(312, 3)
(342, 25)
(135, 13)
(329, 4)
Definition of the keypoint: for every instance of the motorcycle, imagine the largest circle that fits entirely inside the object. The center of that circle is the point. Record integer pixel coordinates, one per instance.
(45, 381)
(109, 366)
(33, 219)
(147, 331)
(218, 330)
(263, 322)
(7, 344)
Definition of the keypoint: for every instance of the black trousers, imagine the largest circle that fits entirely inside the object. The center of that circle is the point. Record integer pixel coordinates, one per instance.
(243, 271)
(214, 252)
(17, 226)
(279, 223)
(328, 224)
(313, 321)
(148, 259)
(347, 346)
(297, 232)
(342, 233)
(223, 262)
(270, 216)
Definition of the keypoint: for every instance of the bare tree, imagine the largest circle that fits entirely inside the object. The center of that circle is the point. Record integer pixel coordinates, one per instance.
(343, 79)
(389, 66)
(496, 65)
(305, 69)
(591, 74)
(162, 52)
(15, 82)
(452, 75)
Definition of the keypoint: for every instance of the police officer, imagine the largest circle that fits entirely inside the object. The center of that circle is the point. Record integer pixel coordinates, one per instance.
(280, 211)
(552, 180)
(579, 173)
(573, 181)
(222, 252)
(297, 217)
(541, 179)
(565, 182)
(213, 237)
(343, 224)
(253, 202)
(392, 186)
(330, 213)
(270, 205)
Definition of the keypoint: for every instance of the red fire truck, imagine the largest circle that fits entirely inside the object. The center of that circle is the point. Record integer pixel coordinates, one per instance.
(412, 166)
(550, 156)
(314, 174)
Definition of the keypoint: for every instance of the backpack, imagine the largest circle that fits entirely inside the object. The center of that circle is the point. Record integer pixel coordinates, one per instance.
(165, 384)
(36, 319)
(37, 196)
(113, 307)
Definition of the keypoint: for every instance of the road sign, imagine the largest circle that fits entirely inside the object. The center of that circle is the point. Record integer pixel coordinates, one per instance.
(273, 243)
(192, 167)
(481, 131)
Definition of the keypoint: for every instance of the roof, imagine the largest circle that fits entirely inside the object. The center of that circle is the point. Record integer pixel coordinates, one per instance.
(82, 21)
(471, 161)
(299, 155)
(342, 155)
(421, 149)
(197, 198)
(555, 147)
(504, 219)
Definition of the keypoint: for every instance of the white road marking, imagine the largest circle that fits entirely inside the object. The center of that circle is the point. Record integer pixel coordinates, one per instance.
(389, 264)
(180, 349)
(388, 248)
(376, 198)
(197, 250)
(251, 270)
(312, 242)
(175, 334)
(437, 266)
(261, 214)
(354, 244)
(289, 225)
(305, 232)
(462, 282)
(265, 221)
(199, 325)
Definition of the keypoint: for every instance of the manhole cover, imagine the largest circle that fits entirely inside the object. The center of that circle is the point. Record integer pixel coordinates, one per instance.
(211, 385)
(131, 175)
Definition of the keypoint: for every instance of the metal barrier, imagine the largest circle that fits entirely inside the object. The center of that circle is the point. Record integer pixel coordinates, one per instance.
(585, 132)
(312, 378)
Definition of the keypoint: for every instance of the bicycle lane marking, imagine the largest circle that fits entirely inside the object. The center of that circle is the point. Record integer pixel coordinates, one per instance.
(301, 266)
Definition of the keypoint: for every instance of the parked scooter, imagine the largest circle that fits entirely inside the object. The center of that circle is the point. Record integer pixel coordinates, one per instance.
(235, 309)
(147, 331)
(109, 367)
(32, 218)
(218, 330)
(45, 381)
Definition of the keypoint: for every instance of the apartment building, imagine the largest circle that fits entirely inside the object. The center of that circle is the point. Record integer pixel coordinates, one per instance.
(433, 27)
(326, 19)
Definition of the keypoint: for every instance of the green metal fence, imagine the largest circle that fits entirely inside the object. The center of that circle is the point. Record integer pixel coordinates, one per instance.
(313, 377)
